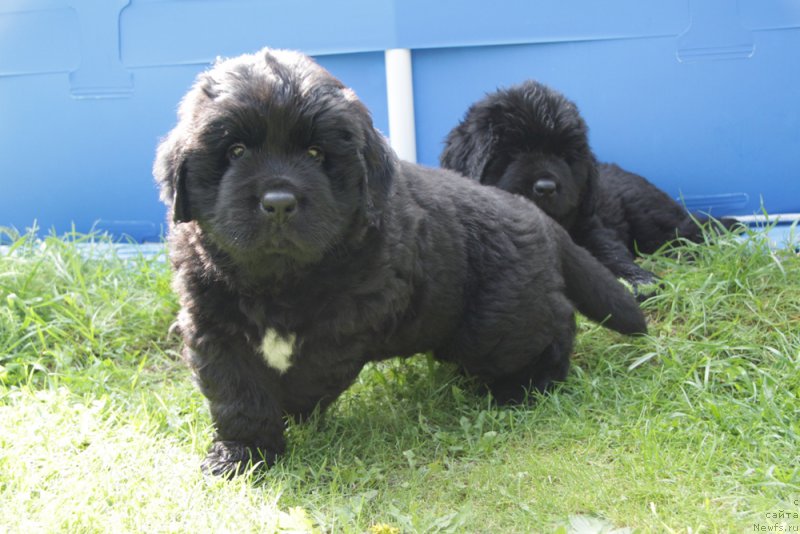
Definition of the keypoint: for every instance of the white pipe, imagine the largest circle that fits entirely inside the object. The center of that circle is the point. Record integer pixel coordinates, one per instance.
(400, 97)
(772, 217)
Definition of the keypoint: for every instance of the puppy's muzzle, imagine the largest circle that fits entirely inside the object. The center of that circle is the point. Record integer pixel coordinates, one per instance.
(279, 206)
(544, 187)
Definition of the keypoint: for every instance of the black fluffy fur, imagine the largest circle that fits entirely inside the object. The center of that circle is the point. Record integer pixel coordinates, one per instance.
(532, 141)
(379, 258)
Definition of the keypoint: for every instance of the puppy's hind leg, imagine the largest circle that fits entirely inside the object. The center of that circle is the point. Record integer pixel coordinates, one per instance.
(538, 375)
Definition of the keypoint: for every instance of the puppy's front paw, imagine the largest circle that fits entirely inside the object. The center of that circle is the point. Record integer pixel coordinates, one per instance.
(640, 277)
(645, 287)
(232, 458)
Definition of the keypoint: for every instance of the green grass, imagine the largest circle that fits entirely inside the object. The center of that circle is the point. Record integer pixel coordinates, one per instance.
(693, 428)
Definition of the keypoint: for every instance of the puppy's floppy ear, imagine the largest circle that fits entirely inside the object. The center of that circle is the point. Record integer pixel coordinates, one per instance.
(169, 170)
(180, 199)
(379, 161)
(587, 167)
(377, 157)
(469, 149)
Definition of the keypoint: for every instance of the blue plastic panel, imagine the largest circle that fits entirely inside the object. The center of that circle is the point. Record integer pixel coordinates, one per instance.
(700, 96)
(23, 31)
(710, 113)
(79, 124)
(164, 32)
(457, 23)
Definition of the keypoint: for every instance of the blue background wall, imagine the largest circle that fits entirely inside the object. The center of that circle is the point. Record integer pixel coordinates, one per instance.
(700, 96)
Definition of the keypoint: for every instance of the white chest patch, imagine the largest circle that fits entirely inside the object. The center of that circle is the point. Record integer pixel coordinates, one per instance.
(277, 350)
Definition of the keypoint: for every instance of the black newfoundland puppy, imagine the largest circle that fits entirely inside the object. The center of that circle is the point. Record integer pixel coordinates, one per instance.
(532, 141)
(303, 249)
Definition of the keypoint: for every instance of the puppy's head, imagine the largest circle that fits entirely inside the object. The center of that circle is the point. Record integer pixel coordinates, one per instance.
(274, 161)
(532, 141)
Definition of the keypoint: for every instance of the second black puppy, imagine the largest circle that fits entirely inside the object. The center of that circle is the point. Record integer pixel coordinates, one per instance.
(304, 249)
(532, 141)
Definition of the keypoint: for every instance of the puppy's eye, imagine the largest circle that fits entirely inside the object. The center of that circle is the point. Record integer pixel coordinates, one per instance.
(315, 153)
(236, 151)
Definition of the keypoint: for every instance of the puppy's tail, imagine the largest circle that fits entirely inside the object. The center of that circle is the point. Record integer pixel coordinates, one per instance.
(596, 293)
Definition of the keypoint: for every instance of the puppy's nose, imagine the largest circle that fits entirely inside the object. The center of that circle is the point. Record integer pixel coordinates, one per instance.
(279, 205)
(544, 187)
